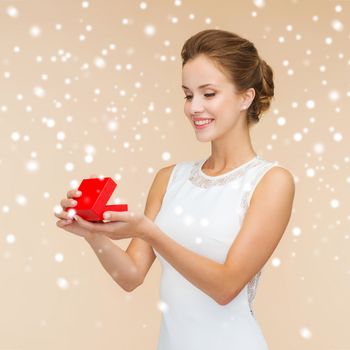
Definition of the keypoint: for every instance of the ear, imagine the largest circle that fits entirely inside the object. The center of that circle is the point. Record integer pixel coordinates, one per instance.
(247, 98)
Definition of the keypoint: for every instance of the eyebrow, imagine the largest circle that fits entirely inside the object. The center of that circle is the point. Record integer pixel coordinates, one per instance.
(202, 86)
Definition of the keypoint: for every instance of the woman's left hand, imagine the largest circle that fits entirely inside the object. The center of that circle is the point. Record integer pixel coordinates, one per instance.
(120, 225)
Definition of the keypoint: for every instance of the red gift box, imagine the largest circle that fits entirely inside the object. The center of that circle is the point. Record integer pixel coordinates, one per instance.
(95, 194)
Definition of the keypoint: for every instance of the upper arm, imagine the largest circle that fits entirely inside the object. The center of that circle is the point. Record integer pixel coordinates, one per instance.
(139, 250)
(264, 224)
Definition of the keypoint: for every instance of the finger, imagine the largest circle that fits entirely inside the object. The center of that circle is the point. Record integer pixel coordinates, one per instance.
(92, 227)
(118, 215)
(62, 215)
(62, 223)
(68, 203)
(73, 193)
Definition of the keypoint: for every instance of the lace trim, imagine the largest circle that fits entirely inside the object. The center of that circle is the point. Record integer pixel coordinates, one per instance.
(252, 285)
(199, 180)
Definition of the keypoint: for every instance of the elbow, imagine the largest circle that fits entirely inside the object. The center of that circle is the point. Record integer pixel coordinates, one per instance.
(131, 287)
(227, 297)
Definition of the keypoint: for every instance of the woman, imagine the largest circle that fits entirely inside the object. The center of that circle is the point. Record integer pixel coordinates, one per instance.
(212, 223)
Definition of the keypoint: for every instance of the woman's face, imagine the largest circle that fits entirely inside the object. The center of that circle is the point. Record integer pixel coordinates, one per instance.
(217, 102)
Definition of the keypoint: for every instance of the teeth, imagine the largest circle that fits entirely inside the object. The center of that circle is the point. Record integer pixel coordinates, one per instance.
(202, 122)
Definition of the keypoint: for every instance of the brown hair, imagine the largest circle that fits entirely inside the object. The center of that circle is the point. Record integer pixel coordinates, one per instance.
(238, 59)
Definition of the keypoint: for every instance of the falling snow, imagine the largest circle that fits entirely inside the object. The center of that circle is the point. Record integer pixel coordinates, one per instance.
(86, 95)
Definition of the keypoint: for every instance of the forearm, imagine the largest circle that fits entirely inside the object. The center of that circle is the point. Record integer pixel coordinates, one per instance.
(115, 261)
(204, 273)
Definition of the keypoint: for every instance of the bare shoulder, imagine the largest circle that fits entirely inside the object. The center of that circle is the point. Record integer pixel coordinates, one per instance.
(162, 178)
(277, 180)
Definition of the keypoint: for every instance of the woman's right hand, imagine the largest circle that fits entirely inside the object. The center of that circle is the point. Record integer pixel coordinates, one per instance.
(68, 223)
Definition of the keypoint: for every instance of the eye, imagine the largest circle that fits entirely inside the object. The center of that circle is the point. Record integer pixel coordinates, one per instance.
(188, 97)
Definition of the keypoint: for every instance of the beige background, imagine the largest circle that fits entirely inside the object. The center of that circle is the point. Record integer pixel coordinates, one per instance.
(89, 88)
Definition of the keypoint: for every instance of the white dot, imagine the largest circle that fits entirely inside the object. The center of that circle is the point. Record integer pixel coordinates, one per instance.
(188, 220)
(281, 121)
(328, 40)
(112, 125)
(12, 11)
(62, 283)
(338, 8)
(318, 148)
(143, 5)
(90, 149)
(178, 210)
(276, 262)
(61, 135)
(204, 222)
(50, 123)
(21, 200)
(58, 209)
(310, 172)
(88, 158)
(305, 333)
(337, 25)
(259, 3)
(15, 136)
(334, 203)
(59, 257)
(39, 91)
(100, 62)
(5, 209)
(337, 137)
(333, 95)
(310, 104)
(296, 231)
(297, 136)
(85, 4)
(166, 156)
(69, 166)
(150, 30)
(162, 306)
(10, 238)
(71, 212)
(198, 240)
(35, 31)
(32, 165)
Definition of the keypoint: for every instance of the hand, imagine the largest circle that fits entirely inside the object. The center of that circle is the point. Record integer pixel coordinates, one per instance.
(122, 224)
(67, 222)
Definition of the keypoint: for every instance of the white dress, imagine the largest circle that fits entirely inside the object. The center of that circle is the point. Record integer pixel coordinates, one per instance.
(204, 214)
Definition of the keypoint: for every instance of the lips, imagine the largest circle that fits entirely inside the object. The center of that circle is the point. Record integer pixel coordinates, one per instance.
(199, 119)
(203, 125)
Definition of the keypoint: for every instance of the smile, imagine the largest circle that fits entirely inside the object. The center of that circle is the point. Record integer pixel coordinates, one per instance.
(202, 123)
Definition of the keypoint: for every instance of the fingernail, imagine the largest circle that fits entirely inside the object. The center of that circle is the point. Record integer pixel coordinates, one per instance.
(78, 193)
(106, 215)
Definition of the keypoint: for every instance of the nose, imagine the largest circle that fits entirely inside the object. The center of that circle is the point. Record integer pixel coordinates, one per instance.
(196, 105)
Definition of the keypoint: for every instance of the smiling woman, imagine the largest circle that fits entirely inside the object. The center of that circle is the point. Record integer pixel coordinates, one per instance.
(238, 59)
(212, 223)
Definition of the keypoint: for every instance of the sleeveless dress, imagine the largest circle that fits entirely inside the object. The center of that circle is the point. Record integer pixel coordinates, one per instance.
(204, 214)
